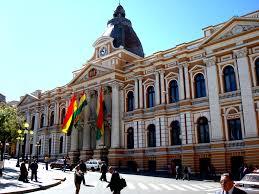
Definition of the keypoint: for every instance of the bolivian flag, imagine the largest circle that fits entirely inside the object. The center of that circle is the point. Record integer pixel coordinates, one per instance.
(100, 116)
(69, 118)
(82, 104)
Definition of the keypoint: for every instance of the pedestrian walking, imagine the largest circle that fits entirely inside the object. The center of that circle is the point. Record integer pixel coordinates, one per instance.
(227, 185)
(79, 177)
(65, 164)
(46, 159)
(82, 166)
(103, 171)
(178, 170)
(34, 168)
(23, 173)
(186, 173)
(115, 182)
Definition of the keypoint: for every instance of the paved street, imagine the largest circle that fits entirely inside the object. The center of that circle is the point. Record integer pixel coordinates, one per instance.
(136, 185)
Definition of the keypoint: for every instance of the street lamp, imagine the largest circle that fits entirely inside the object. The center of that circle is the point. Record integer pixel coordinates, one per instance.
(37, 149)
(29, 132)
(20, 139)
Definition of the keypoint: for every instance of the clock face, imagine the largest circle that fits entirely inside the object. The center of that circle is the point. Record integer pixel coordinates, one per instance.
(103, 51)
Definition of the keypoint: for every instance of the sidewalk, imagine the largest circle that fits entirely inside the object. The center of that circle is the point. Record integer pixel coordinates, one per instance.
(9, 182)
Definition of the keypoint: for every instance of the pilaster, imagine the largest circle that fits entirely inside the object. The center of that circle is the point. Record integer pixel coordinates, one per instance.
(246, 92)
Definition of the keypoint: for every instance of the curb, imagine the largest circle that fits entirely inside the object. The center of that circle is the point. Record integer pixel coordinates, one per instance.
(38, 188)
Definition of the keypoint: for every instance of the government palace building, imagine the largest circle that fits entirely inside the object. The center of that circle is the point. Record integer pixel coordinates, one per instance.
(195, 105)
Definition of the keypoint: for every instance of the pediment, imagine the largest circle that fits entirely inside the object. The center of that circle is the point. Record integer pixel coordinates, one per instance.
(27, 99)
(148, 81)
(171, 74)
(102, 40)
(233, 27)
(196, 68)
(89, 72)
(129, 86)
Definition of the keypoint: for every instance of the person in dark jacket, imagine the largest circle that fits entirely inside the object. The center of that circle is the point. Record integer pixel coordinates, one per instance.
(82, 166)
(227, 185)
(34, 168)
(103, 171)
(115, 183)
(79, 177)
(23, 173)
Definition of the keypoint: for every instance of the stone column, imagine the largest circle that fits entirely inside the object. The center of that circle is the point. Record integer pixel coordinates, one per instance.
(35, 131)
(213, 93)
(157, 89)
(183, 129)
(74, 140)
(56, 115)
(136, 94)
(86, 137)
(187, 81)
(162, 81)
(181, 84)
(189, 128)
(246, 93)
(115, 133)
(140, 93)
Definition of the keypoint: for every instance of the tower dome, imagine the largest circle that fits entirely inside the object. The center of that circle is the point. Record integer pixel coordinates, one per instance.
(120, 29)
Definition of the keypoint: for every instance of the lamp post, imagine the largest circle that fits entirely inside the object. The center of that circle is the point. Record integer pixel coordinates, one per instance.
(20, 139)
(29, 132)
(37, 149)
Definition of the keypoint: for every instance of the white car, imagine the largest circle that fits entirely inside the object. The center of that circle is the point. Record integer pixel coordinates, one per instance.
(93, 164)
(249, 183)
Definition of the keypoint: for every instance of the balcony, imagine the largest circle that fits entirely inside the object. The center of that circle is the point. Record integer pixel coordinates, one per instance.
(230, 95)
(238, 144)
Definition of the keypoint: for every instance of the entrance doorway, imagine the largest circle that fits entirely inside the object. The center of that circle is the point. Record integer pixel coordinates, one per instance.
(132, 166)
(205, 168)
(151, 165)
(236, 163)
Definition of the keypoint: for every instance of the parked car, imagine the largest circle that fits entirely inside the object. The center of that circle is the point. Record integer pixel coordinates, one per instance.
(249, 183)
(7, 156)
(59, 163)
(93, 164)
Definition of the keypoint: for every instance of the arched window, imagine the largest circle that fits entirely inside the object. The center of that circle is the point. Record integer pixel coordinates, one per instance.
(63, 114)
(151, 135)
(51, 118)
(203, 130)
(130, 138)
(200, 89)
(42, 120)
(61, 145)
(49, 146)
(32, 123)
(150, 97)
(130, 101)
(229, 79)
(173, 92)
(175, 133)
(257, 70)
(234, 129)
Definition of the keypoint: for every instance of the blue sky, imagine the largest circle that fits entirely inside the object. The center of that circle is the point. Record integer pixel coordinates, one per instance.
(43, 41)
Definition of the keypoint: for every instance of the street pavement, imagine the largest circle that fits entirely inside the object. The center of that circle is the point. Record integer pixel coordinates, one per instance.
(50, 183)
(136, 184)
(9, 181)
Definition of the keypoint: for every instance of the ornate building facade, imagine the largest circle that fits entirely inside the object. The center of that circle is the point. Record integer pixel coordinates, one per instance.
(193, 105)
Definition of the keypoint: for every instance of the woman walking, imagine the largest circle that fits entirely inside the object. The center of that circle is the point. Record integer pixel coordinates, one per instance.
(79, 177)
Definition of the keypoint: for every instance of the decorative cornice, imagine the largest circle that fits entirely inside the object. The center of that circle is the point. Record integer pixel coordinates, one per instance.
(240, 53)
(210, 61)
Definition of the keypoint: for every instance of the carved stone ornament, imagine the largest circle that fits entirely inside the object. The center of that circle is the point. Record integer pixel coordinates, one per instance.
(210, 61)
(237, 30)
(240, 53)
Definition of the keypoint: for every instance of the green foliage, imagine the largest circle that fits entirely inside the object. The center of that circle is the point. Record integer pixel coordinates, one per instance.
(10, 121)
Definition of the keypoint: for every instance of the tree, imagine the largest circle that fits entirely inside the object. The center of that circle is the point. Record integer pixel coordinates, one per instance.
(10, 122)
